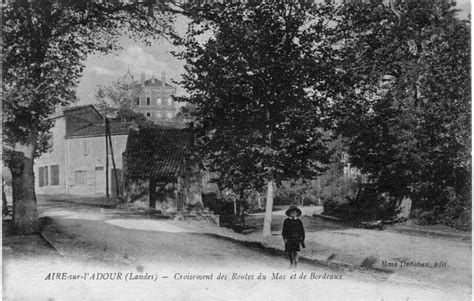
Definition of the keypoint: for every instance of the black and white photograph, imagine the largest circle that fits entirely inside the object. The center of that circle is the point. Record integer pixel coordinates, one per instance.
(236, 150)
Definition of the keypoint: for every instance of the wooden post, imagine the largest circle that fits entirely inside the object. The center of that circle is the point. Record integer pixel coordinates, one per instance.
(113, 160)
(152, 193)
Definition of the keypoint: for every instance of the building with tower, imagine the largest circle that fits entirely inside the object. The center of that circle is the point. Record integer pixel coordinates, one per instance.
(156, 99)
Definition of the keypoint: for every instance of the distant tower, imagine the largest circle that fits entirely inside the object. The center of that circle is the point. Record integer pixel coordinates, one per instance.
(128, 77)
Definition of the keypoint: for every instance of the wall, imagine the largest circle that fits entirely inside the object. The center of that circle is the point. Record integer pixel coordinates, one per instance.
(160, 107)
(168, 192)
(80, 118)
(137, 192)
(93, 163)
(56, 156)
(192, 184)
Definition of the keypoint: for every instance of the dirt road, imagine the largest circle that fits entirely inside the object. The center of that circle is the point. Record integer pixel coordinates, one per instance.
(173, 263)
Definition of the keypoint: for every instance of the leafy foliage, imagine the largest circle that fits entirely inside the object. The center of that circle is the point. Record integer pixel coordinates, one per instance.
(120, 94)
(367, 204)
(119, 98)
(45, 45)
(407, 101)
(257, 75)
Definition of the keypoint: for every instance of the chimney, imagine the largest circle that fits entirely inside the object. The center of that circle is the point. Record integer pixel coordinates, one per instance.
(143, 78)
(163, 79)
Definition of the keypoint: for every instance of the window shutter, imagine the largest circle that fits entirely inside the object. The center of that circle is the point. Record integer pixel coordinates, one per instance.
(40, 176)
(46, 176)
(54, 174)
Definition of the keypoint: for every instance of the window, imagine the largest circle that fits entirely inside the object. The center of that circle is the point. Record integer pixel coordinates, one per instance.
(170, 101)
(137, 101)
(41, 176)
(158, 101)
(158, 115)
(54, 175)
(148, 114)
(86, 147)
(80, 177)
(51, 143)
(169, 115)
(148, 101)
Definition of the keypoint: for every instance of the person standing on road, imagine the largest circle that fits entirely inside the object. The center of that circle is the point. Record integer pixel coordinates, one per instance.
(293, 234)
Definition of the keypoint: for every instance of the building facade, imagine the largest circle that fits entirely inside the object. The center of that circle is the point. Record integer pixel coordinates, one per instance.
(156, 99)
(87, 160)
(50, 167)
(161, 171)
(76, 161)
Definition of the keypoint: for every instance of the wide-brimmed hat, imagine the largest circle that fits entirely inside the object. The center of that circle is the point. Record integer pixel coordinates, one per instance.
(291, 209)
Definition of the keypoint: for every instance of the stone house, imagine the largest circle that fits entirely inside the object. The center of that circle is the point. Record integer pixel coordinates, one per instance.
(160, 170)
(75, 162)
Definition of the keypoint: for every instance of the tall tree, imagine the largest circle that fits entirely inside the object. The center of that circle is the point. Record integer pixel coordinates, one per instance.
(407, 100)
(259, 78)
(45, 44)
(119, 99)
(120, 94)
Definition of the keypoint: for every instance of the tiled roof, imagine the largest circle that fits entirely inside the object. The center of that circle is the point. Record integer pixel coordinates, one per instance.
(97, 130)
(156, 83)
(157, 152)
(70, 109)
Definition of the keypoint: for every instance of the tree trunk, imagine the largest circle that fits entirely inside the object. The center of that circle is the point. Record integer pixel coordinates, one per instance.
(267, 223)
(25, 212)
(4, 201)
(241, 208)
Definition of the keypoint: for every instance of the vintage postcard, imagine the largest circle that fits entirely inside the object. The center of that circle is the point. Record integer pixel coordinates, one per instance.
(236, 150)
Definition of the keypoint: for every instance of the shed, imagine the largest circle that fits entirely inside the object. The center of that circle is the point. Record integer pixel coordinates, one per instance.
(161, 168)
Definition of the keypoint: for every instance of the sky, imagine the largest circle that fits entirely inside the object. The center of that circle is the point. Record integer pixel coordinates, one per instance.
(133, 55)
(152, 60)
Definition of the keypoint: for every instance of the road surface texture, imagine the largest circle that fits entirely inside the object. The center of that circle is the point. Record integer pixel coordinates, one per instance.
(99, 248)
(435, 261)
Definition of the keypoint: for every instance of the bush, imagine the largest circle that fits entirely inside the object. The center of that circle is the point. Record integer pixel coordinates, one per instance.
(457, 212)
(367, 205)
(218, 204)
(283, 199)
(430, 217)
(450, 209)
(336, 192)
(330, 207)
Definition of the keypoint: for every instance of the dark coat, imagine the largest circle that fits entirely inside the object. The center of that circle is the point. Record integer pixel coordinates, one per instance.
(293, 233)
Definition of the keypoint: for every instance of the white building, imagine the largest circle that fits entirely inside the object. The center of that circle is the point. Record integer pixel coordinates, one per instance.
(76, 162)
